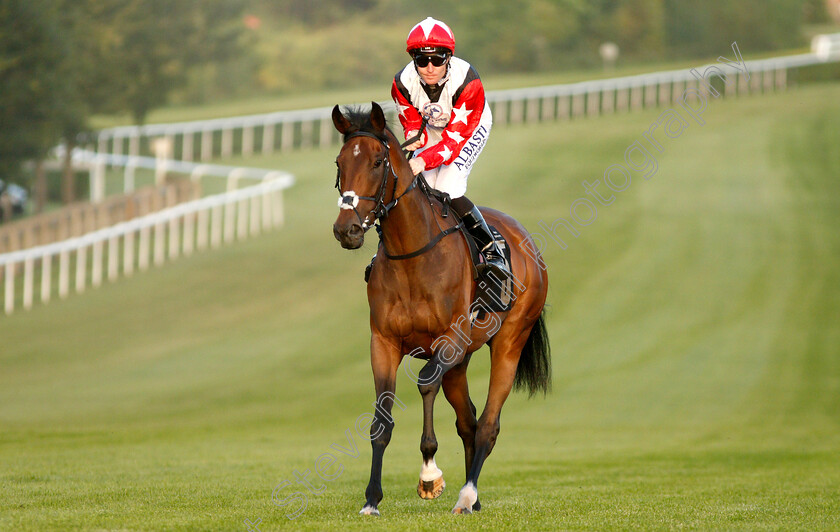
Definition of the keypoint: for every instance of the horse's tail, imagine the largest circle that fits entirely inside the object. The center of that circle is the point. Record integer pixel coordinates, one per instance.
(534, 370)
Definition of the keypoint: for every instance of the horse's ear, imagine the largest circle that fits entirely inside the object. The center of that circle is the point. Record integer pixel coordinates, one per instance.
(377, 117)
(341, 123)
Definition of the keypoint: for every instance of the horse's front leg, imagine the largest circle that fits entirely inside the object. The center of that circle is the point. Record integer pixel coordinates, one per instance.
(447, 355)
(385, 359)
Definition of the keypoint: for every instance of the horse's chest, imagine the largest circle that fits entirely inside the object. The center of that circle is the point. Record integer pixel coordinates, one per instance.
(407, 316)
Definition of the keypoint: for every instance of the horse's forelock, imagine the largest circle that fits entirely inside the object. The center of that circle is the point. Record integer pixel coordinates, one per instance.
(359, 118)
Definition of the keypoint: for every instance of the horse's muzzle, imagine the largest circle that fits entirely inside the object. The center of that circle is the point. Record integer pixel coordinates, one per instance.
(350, 236)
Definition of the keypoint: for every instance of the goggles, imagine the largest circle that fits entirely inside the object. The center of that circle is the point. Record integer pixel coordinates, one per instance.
(437, 59)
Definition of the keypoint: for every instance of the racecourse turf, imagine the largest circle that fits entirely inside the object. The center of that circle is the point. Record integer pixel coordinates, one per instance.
(695, 327)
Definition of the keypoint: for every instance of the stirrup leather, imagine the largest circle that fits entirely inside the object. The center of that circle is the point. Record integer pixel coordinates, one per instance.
(489, 248)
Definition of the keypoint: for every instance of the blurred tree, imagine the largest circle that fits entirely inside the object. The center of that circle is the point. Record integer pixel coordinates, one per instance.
(32, 59)
(147, 47)
(694, 28)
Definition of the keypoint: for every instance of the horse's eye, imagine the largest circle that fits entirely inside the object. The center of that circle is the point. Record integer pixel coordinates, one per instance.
(378, 163)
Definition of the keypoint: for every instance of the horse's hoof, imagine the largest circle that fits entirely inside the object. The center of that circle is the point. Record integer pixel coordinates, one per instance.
(431, 489)
(467, 500)
(369, 510)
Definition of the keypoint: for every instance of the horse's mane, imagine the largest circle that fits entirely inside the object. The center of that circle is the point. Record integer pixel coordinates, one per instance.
(359, 117)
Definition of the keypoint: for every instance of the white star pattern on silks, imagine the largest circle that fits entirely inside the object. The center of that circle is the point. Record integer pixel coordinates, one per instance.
(454, 135)
(402, 109)
(445, 153)
(427, 26)
(461, 114)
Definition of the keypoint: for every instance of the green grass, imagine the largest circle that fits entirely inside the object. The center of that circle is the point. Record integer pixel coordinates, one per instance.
(695, 328)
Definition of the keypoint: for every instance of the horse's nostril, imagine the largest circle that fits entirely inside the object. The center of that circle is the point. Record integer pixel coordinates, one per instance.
(355, 230)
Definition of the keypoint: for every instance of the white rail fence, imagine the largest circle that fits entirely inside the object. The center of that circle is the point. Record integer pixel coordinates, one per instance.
(150, 240)
(238, 213)
(288, 130)
(97, 163)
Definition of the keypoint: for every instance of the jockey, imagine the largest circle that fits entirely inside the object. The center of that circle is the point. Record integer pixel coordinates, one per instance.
(447, 92)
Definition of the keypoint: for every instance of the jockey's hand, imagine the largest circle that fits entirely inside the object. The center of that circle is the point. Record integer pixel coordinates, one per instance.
(417, 165)
(414, 145)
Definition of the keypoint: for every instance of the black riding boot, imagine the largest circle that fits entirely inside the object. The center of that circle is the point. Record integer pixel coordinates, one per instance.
(369, 267)
(493, 257)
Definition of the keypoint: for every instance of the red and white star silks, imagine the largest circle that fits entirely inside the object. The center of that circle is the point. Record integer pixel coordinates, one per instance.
(453, 115)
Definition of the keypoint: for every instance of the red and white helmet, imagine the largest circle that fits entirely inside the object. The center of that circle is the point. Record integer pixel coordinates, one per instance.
(430, 35)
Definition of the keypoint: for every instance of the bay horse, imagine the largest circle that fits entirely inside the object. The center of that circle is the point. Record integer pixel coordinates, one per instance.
(421, 292)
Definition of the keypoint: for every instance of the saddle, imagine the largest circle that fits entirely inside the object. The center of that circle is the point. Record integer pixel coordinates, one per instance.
(495, 294)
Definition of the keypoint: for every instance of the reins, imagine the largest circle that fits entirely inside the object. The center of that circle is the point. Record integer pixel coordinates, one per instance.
(350, 200)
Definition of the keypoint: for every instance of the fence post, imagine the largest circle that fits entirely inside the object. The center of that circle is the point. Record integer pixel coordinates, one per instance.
(230, 207)
(227, 143)
(325, 132)
(533, 110)
(563, 107)
(650, 95)
(97, 180)
(187, 138)
(46, 278)
(28, 282)
(96, 267)
(128, 176)
(63, 274)
(608, 100)
(577, 104)
(206, 145)
(743, 85)
(143, 250)
(664, 93)
(268, 137)
(81, 269)
(102, 144)
(10, 288)
(622, 99)
(549, 108)
(174, 237)
(247, 141)
(676, 90)
(128, 254)
(636, 97)
(134, 145)
(593, 102)
(781, 78)
(113, 258)
(189, 233)
(216, 227)
(202, 229)
(287, 140)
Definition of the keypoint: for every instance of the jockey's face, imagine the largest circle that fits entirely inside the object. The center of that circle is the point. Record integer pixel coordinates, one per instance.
(432, 74)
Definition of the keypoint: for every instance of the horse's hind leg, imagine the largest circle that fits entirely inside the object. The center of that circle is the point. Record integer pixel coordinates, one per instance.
(431, 483)
(505, 351)
(429, 382)
(456, 390)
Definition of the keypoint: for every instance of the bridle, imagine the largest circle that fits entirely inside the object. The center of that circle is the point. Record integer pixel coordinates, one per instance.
(350, 200)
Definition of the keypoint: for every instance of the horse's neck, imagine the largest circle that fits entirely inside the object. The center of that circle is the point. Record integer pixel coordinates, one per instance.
(411, 224)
